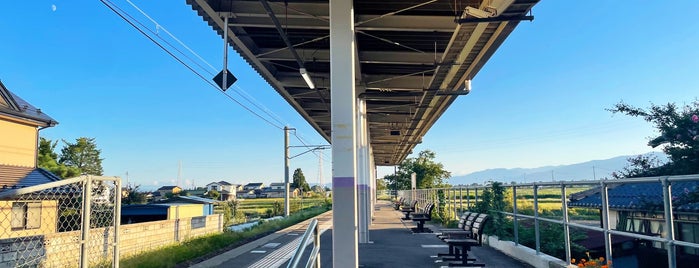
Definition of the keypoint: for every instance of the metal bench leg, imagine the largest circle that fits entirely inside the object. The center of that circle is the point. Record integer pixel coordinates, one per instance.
(465, 260)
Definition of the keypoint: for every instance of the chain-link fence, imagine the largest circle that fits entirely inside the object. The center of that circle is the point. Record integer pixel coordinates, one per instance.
(68, 223)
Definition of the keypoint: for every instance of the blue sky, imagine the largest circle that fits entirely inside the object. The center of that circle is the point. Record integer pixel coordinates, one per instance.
(539, 101)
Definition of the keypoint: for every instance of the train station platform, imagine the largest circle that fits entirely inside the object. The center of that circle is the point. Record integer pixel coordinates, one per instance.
(393, 244)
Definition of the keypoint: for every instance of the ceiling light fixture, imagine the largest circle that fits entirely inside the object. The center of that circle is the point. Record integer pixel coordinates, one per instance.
(307, 77)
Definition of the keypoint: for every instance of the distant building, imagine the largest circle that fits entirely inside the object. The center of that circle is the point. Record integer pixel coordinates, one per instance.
(157, 212)
(226, 189)
(254, 186)
(279, 193)
(277, 185)
(169, 190)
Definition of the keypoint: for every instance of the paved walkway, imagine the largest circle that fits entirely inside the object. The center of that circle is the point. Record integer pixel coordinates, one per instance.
(393, 245)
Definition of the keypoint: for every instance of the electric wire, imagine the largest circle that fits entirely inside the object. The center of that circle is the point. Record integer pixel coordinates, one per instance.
(114, 8)
(254, 102)
(171, 35)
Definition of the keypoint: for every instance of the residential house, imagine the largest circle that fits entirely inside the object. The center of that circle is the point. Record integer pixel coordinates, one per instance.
(165, 190)
(276, 190)
(227, 190)
(250, 190)
(638, 208)
(20, 123)
(254, 186)
(246, 194)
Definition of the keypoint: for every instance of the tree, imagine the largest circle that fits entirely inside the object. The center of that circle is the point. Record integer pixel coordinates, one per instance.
(213, 194)
(48, 159)
(134, 195)
(678, 135)
(299, 181)
(430, 174)
(83, 154)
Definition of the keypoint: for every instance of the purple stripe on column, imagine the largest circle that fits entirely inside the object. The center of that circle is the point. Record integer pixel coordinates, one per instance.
(343, 182)
(363, 187)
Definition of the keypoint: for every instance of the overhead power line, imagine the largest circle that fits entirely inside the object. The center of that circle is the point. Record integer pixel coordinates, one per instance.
(132, 21)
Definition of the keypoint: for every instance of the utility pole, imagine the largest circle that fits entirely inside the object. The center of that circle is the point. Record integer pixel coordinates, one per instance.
(320, 172)
(286, 171)
(594, 174)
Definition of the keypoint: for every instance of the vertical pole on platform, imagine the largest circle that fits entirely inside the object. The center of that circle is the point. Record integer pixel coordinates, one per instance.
(343, 136)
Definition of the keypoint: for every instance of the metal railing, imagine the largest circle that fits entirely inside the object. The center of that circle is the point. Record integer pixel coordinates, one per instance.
(454, 203)
(314, 258)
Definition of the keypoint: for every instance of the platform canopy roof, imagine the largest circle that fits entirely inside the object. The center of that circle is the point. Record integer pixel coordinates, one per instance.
(413, 57)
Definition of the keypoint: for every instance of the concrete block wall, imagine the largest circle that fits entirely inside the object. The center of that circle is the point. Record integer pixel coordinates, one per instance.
(63, 249)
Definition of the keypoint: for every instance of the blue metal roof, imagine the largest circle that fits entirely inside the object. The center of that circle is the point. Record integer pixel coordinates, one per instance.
(641, 196)
(195, 199)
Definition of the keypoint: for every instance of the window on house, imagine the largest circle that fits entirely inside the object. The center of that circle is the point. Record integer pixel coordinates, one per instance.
(26, 215)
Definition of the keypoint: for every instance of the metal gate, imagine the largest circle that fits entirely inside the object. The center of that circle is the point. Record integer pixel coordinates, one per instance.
(67, 223)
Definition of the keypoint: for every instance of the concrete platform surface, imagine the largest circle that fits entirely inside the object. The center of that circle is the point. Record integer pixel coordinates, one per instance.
(393, 244)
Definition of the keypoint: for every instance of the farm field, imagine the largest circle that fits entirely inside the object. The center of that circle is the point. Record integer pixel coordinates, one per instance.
(258, 206)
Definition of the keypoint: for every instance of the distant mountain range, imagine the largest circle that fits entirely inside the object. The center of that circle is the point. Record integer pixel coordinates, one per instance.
(580, 171)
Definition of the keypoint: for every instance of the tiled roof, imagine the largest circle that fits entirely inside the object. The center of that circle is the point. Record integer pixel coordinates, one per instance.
(276, 184)
(224, 183)
(254, 184)
(17, 177)
(640, 196)
(22, 109)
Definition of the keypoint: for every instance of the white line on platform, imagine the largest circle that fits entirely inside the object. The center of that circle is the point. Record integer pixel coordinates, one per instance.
(258, 251)
(271, 245)
(434, 246)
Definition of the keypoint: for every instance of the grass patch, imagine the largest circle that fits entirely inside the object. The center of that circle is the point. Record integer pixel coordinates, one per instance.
(194, 250)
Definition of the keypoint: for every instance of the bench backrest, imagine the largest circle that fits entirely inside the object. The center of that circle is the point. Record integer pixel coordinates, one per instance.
(463, 219)
(428, 211)
(413, 204)
(478, 226)
(469, 222)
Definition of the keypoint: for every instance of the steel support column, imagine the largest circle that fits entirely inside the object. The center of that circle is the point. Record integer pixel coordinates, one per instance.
(343, 137)
(362, 174)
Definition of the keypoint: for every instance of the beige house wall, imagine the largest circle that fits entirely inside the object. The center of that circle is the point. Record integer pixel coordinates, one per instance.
(17, 144)
(48, 220)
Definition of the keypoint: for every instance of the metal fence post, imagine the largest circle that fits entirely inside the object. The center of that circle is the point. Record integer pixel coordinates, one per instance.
(605, 221)
(475, 201)
(468, 199)
(566, 228)
(85, 232)
(461, 199)
(453, 203)
(669, 223)
(514, 212)
(537, 236)
(117, 222)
